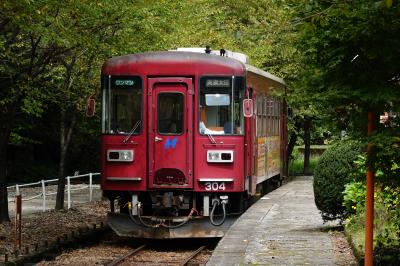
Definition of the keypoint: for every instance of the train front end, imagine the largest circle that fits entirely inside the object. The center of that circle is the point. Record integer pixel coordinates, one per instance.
(173, 144)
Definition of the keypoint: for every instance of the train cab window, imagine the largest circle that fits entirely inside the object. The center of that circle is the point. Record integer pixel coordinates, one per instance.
(220, 106)
(170, 108)
(122, 105)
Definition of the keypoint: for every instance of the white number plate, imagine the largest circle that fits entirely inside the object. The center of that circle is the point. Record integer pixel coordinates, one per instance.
(215, 186)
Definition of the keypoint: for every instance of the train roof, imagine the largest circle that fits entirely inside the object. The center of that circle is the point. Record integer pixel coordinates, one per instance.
(174, 58)
(265, 74)
(185, 59)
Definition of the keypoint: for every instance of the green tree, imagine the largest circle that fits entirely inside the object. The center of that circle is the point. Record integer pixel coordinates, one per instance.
(351, 50)
(92, 31)
(27, 51)
(50, 54)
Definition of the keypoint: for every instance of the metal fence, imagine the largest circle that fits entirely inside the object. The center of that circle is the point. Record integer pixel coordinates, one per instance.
(45, 193)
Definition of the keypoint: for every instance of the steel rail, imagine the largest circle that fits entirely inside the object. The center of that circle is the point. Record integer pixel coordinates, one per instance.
(130, 254)
(191, 256)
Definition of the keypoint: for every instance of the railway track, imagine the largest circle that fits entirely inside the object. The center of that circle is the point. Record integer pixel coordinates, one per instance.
(123, 258)
(110, 249)
(180, 260)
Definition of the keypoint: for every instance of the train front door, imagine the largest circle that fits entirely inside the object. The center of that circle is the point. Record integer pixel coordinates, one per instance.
(170, 116)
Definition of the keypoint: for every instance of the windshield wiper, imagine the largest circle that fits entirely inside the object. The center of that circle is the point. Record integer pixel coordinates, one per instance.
(132, 131)
(211, 138)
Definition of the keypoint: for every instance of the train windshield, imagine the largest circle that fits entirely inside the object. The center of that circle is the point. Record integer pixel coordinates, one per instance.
(221, 105)
(122, 105)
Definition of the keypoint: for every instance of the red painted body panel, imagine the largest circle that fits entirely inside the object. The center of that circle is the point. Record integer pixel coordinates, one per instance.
(206, 170)
(121, 170)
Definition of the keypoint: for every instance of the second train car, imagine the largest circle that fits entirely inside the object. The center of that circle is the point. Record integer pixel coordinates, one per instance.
(188, 137)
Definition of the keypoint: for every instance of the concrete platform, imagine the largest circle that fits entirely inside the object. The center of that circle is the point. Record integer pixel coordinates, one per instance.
(282, 228)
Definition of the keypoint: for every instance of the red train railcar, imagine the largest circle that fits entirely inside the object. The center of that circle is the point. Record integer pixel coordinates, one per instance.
(187, 139)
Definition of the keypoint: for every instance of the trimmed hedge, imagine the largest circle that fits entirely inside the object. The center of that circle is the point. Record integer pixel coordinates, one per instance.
(331, 173)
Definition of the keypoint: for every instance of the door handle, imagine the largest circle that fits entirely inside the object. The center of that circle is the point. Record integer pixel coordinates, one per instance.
(157, 139)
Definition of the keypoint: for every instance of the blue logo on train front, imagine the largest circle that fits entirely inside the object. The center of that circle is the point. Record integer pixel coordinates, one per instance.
(170, 143)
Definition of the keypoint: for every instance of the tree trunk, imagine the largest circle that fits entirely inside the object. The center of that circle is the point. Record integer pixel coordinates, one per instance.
(4, 137)
(307, 146)
(65, 138)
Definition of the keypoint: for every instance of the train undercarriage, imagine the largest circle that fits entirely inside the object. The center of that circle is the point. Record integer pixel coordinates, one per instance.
(178, 213)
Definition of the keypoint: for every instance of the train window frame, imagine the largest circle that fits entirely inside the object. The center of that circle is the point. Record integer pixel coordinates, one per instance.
(277, 118)
(259, 115)
(106, 103)
(269, 118)
(264, 116)
(239, 80)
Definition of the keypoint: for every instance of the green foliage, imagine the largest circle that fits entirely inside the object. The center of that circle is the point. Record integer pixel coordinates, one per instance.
(387, 156)
(386, 161)
(349, 59)
(331, 174)
(387, 201)
(51, 53)
(354, 196)
(387, 238)
(386, 223)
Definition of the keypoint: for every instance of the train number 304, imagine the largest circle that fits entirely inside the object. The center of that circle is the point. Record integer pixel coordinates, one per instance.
(215, 186)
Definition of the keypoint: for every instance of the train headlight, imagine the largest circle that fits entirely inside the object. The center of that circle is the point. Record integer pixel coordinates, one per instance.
(126, 155)
(120, 155)
(213, 156)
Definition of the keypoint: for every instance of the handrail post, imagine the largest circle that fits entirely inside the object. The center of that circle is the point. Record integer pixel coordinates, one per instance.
(69, 191)
(17, 229)
(90, 187)
(44, 195)
(17, 190)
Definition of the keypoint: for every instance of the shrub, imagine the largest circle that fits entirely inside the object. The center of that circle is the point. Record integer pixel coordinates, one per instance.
(331, 173)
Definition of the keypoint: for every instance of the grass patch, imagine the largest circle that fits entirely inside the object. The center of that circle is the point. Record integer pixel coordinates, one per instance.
(296, 165)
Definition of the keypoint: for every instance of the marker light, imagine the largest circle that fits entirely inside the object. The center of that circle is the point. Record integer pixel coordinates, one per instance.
(221, 156)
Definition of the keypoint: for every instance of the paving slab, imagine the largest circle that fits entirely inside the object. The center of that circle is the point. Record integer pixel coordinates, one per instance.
(282, 228)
